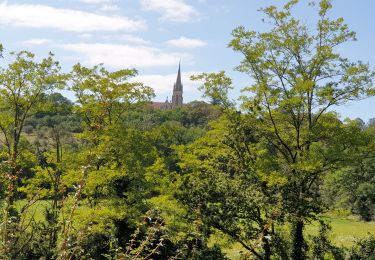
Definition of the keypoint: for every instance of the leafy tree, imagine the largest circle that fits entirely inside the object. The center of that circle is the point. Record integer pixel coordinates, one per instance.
(353, 186)
(216, 87)
(363, 249)
(199, 113)
(322, 247)
(298, 76)
(104, 96)
(113, 156)
(371, 122)
(54, 144)
(222, 186)
(21, 85)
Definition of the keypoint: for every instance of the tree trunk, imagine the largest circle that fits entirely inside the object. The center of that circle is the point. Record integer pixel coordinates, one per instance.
(8, 212)
(298, 252)
(266, 247)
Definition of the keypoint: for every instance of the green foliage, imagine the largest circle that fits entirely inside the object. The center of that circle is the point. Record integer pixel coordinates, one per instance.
(353, 186)
(22, 84)
(108, 177)
(226, 191)
(104, 96)
(363, 249)
(298, 75)
(322, 247)
(215, 86)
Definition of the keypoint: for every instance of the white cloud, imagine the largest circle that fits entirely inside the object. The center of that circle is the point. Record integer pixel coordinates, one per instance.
(36, 41)
(171, 10)
(86, 36)
(132, 39)
(43, 16)
(163, 84)
(122, 56)
(109, 8)
(95, 2)
(187, 43)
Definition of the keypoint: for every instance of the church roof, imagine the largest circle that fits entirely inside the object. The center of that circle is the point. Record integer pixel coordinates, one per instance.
(160, 105)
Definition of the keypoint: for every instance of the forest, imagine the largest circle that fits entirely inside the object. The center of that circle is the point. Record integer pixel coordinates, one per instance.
(270, 175)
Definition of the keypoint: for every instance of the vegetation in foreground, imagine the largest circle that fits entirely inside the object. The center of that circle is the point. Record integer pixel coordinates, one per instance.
(346, 232)
(107, 177)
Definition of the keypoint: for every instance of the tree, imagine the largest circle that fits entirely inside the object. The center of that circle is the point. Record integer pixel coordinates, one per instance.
(199, 113)
(21, 85)
(103, 98)
(54, 144)
(216, 87)
(111, 155)
(223, 187)
(298, 76)
(371, 122)
(353, 187)
(363, 249)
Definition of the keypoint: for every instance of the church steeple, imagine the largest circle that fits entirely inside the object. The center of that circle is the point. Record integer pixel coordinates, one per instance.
(178, 85)
(177, 99)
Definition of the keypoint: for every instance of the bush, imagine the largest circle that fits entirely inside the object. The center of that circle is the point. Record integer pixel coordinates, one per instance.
(321, 246)
(28, 129)
(363, 249)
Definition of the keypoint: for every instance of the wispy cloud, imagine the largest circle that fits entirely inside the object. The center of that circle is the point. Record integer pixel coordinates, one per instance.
(171, 10)
(86, 36)
(109, 8)
(123, 56)
(186, 43)
(43, 16)
(132, 39)
(95, 2)
(36, 41)
(105, 5)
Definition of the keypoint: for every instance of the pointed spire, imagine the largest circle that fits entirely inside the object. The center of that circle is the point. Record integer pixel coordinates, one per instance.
(178, 85)
(177, 98)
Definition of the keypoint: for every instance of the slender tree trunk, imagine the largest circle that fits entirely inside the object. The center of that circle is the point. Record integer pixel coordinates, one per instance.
(266, 247)
(298, 250)
(8, 208)
(8, 203)
(57, 196)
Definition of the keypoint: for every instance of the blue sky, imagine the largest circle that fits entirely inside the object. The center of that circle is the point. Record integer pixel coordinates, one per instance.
(153, 35)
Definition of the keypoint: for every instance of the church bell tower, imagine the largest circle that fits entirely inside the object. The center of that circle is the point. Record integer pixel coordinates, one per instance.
(177, 99)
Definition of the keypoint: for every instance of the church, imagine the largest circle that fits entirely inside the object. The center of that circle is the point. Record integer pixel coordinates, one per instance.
(177, 97)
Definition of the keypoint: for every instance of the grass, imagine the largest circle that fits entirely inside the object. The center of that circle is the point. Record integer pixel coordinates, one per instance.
(37, 210)
(345, 231)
